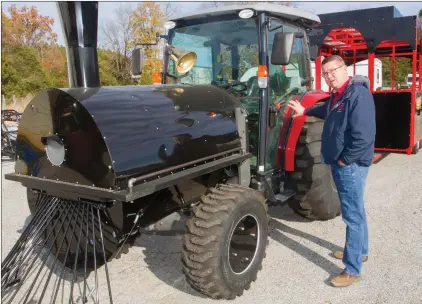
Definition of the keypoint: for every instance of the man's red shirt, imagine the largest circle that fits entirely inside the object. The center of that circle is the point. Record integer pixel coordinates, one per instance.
(339, 92)
(336, 95)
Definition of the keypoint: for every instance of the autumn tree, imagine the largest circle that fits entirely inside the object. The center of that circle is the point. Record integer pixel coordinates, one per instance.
(129, 26)
(402, 67)
(148, 19)
(118, 34)
(26, 40)
(21, 72)
(55, 66)
(26, 27)
(106, 66)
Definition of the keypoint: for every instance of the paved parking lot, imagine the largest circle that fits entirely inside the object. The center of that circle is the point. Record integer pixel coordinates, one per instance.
(298, 264)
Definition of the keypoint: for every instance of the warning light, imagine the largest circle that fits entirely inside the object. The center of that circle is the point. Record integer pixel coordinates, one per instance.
(262, 76)
(212, 114)
(156, 78)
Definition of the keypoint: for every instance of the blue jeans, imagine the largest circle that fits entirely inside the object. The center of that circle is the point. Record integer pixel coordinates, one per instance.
(350, 182)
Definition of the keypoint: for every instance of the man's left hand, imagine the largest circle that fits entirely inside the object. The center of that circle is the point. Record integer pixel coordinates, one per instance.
(297, 107)
(341, 163)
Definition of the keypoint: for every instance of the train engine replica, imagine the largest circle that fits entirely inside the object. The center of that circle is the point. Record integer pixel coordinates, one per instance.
(213, 140)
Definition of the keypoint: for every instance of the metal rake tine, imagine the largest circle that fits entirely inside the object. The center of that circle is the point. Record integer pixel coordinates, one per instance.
(70, 207)
(86, 253)
(27, 251)
(77, 254)
(61, 244)
(15, 254)
(104, 256)
(94, 253)
(80, 209)
(33, 261)
(25, 235)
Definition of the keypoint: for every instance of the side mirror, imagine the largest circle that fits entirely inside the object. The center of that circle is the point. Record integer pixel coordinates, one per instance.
(313, 52)
(282, 48)
(137, 63)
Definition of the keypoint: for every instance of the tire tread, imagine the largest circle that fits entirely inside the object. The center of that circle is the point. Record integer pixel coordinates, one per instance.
(200, 250)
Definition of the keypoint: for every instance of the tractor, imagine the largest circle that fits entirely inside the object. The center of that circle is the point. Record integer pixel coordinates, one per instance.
(214, 141)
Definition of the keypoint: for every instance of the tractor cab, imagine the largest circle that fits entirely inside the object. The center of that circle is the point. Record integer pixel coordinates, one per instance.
(229, 61)
(232, 47)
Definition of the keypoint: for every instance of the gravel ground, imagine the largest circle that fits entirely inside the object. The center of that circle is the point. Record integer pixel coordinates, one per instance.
(298, 265)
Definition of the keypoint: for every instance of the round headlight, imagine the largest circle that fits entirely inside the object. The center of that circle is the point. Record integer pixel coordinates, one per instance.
(246, 13)
(55, 151)
(168, 25)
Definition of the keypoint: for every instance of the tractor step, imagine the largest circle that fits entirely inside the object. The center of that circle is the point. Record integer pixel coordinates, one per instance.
(285, 195)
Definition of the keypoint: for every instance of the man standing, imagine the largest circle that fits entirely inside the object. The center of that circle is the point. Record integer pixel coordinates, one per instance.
(347, 145)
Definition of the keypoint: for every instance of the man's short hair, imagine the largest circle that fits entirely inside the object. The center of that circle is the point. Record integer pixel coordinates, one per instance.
(333, 58)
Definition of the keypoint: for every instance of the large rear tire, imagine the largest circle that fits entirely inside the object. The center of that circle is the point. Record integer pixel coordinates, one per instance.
(226, 240)
(317, 197)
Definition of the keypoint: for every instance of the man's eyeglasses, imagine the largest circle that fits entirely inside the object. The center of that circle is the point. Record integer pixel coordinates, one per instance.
(331, 71)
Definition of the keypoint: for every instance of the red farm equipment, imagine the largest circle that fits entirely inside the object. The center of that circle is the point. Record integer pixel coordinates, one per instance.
(364, 36)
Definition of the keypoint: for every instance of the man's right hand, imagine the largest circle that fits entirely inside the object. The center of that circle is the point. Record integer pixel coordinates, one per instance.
(297, 107)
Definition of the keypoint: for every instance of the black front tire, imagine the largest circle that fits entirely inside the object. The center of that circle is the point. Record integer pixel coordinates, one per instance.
(317, 197)
(215, 263)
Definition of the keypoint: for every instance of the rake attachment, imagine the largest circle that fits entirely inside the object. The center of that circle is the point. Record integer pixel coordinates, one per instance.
(65, 242)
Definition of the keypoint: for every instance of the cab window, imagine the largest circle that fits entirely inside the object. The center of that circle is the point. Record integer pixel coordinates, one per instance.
(286, 80)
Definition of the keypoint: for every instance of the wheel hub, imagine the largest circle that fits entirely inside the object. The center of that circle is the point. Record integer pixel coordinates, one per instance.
(243, 244)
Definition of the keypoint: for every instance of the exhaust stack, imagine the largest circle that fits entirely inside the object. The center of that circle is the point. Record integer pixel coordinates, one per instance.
(80, 27)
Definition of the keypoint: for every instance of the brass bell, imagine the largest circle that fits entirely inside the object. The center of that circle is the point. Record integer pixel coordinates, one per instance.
(184, 60)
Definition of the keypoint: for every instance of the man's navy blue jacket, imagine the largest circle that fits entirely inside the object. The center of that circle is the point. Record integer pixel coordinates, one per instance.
(349, 129)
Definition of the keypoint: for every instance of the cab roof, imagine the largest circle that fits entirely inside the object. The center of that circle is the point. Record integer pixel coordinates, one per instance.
(292, 14)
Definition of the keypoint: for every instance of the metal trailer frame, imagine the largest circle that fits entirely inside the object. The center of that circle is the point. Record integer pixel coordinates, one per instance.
(375, 33)
(8, 136)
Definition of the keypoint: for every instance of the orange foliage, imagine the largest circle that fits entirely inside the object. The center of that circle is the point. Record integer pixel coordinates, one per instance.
(26, 26)
(147, 20)
(54, 58)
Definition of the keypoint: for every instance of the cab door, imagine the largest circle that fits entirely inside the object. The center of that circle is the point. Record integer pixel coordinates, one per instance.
(285, 82)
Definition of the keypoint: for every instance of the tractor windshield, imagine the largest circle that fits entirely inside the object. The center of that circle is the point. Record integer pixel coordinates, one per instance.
(227, 56)
(227, 52)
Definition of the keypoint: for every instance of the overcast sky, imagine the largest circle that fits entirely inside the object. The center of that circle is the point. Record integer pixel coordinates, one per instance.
(106, 10)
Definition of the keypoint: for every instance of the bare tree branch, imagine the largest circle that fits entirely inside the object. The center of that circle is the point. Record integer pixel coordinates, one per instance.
(116, 36)
(170, 9)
